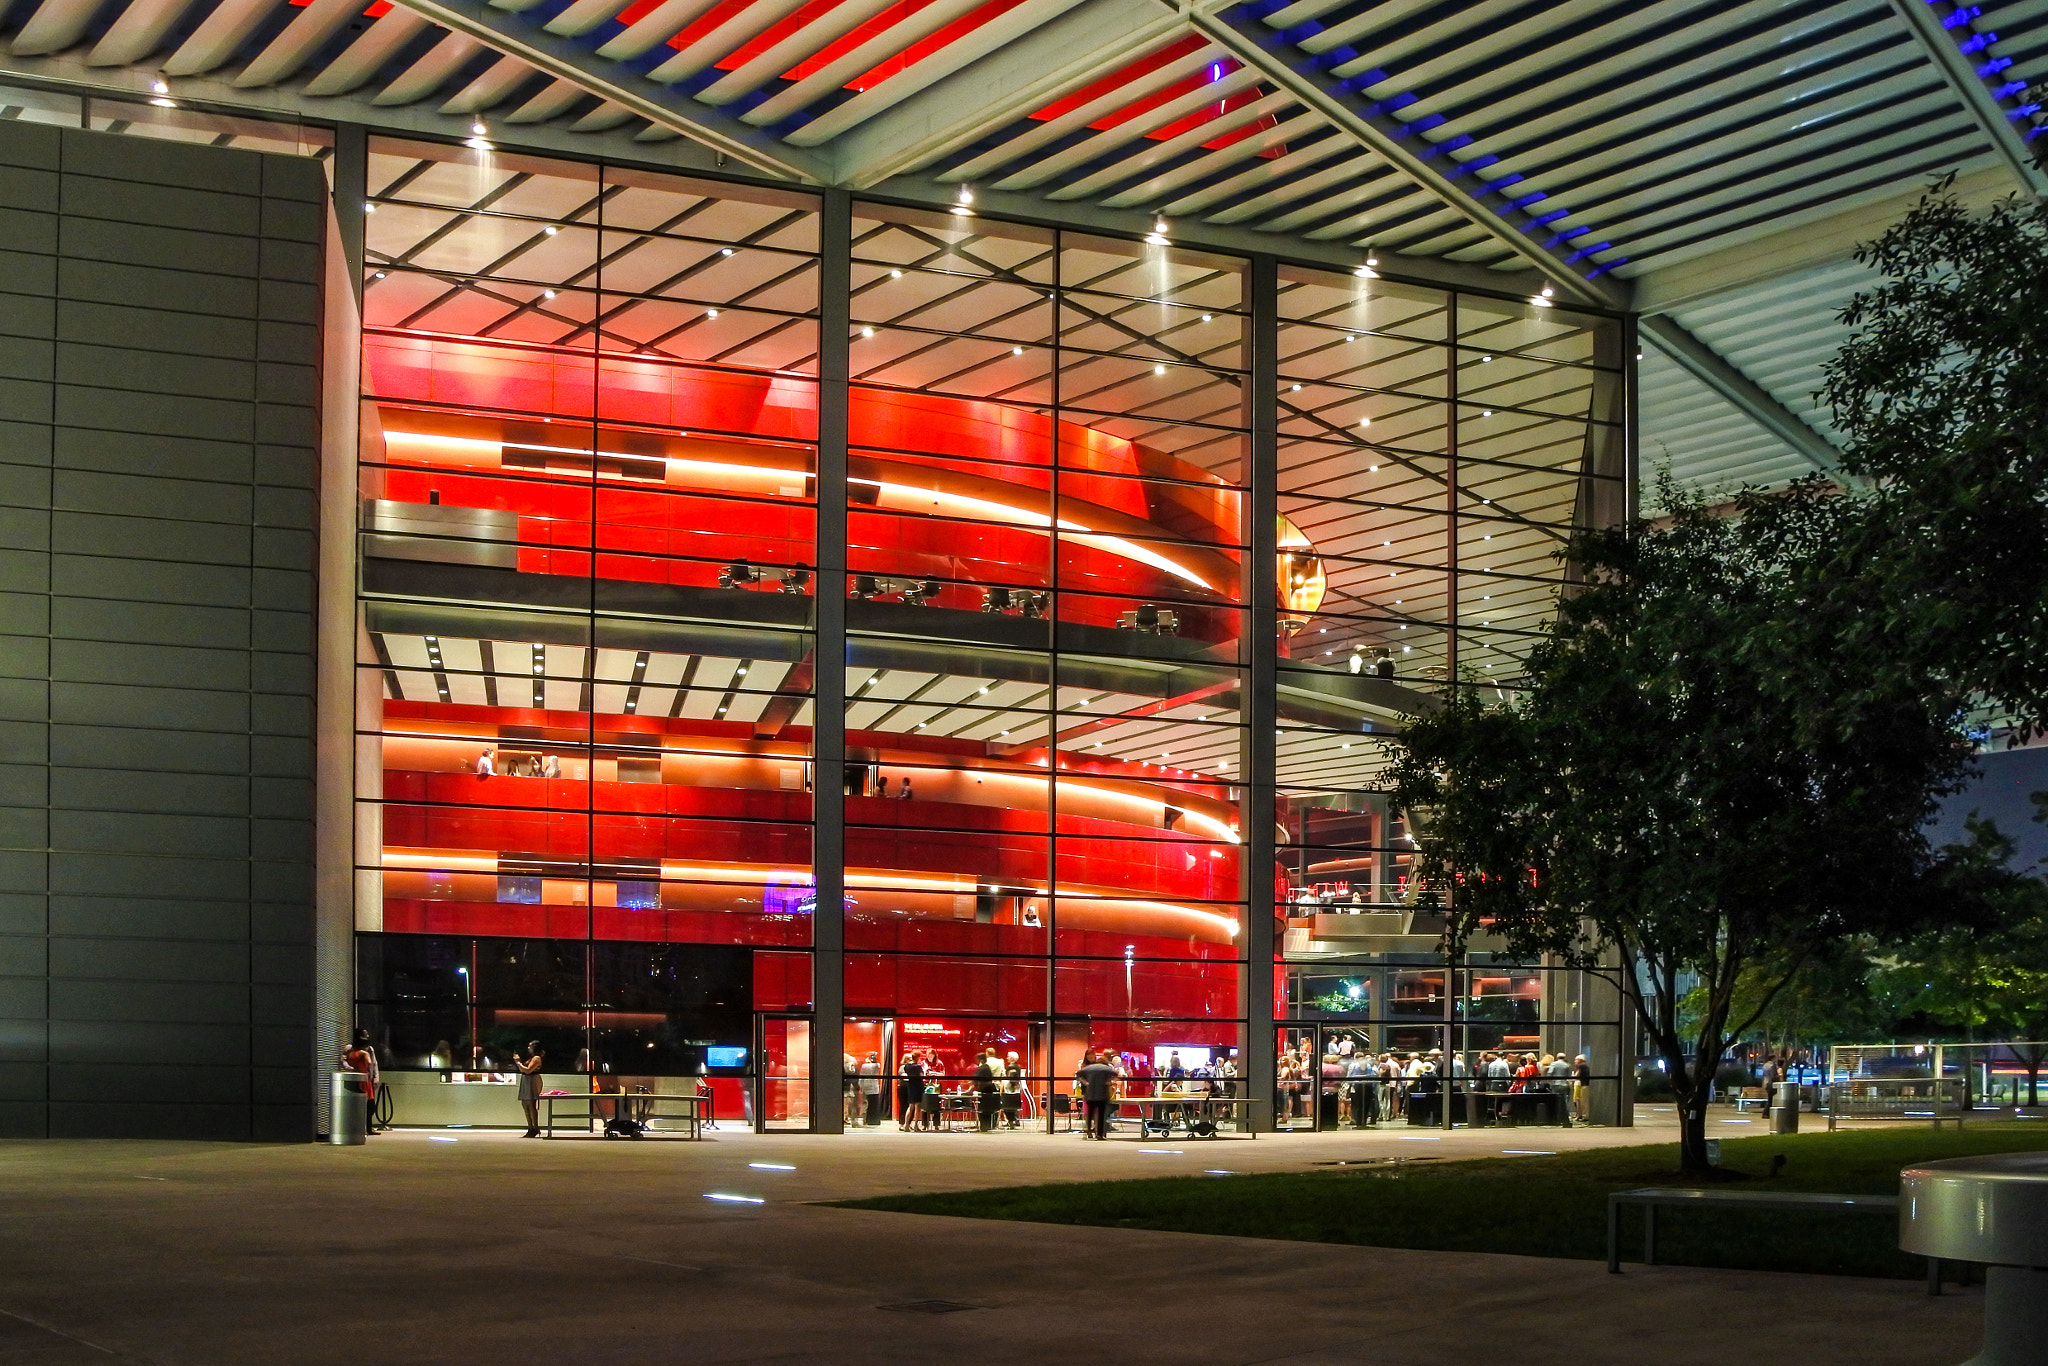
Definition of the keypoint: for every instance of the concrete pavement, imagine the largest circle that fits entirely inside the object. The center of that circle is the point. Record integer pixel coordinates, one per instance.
(490, 1248)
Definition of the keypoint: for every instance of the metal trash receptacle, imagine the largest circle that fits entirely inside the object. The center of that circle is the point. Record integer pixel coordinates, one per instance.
(351, 1109)
(1785, 1107)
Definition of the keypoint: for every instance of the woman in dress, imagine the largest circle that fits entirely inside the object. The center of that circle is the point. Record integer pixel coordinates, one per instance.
(529, 1064)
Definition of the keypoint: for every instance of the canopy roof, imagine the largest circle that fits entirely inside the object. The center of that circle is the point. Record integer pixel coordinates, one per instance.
(1707, 164)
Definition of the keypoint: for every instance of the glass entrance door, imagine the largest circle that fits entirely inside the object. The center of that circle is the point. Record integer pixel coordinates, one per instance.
(782, 1075)
(1325, 1078)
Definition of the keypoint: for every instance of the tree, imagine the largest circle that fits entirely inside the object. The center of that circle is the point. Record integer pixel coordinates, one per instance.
(1979, 983)
(1698, 781)
(1942, 396)
(1828, 998)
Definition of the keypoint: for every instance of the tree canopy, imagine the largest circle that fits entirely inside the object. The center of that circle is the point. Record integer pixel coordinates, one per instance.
(1943, 399)
(1699, 779)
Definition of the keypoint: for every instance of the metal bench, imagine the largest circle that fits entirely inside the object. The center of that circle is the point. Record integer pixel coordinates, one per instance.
(1940, 1100)
(1651, 1198)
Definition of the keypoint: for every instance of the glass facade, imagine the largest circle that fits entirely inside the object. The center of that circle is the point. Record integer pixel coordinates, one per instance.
(1436, 451)
(601, 422)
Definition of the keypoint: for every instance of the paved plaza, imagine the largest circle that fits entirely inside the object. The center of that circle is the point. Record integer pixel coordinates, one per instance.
(474, 1247)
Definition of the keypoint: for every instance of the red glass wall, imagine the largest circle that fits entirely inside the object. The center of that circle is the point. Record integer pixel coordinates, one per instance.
(1045, 645)
(588, 486)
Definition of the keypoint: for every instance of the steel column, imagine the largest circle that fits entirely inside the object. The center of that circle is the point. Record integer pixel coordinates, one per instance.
(1261, 712)
(828, 676)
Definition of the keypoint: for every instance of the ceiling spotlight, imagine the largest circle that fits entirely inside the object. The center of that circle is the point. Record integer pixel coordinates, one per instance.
(478, 128)
(966, 195)
(1546, 291)
(1372, 260)
(895, 274)
(550, 230)
(867, 331)
(725, 251)
(160, 87)
(1016, 350)
(710, 312)
(1366, 273)
(1365, 422)
(547, 294)
(1158, 369)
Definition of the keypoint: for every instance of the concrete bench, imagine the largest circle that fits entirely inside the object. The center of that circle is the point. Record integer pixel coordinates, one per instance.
(1652, 1198)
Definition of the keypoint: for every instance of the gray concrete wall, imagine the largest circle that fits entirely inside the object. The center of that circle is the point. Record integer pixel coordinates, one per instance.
(159, 406)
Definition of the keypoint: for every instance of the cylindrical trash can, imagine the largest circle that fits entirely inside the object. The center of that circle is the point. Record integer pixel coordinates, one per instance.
(351, 1108)
(1785, 1107)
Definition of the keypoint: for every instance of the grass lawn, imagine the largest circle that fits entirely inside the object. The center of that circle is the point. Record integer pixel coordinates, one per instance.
(1535, 1206)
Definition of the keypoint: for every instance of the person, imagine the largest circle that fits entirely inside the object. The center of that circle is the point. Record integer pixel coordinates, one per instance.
(871, 1090)
(1582, 1078)
(361, 1058)
(485, 766)
(1365, 1091)
(986, 1074)
(850, 1086)
(906, 794)
(1095, 1078)
(882, 787)
(909, 1091)
(551, 767)
(529, 1065)
(1383, 667)
(1422, 1094)
(1226, 1075)
(1013, 1092)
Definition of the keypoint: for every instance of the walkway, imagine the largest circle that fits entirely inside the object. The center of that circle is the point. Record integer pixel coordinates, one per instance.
(427, 1248)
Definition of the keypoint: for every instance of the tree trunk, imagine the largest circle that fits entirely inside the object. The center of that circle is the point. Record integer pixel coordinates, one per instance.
(1692, 1134)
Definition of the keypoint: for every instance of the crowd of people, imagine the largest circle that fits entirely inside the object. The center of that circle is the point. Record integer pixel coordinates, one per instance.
(1348, 1086)
(1369, 1088)
(995, 1087)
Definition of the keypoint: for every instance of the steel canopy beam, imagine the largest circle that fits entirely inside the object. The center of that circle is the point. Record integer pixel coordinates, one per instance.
(1299, 75)
(570, 60)
(1710, 368)
(1960, 71)
(1067, 54)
